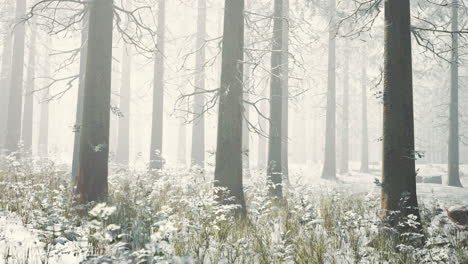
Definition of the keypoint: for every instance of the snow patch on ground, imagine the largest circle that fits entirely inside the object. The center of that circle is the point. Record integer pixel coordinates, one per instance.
(21, 244)
(17, 243)
(357, 182)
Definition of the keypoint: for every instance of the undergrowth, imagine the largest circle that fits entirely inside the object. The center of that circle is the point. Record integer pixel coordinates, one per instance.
(174, 218)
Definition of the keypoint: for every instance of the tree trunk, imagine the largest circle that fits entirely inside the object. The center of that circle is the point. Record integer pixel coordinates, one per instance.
(453, 178)
(329, 166)
(262, 142)
(399, 174)
(274, 172)
(345, 129)
(198, 127)
(28, 108)
(156, 160)
(228, 171)
(13, 128)
(43, 142)
(364, 128)
(245, 126)
(5, 84)
(123, 141)
(465, 154)
(94, 140)
(285, 91)
(79, 104)
(181, 152)
(247, 86)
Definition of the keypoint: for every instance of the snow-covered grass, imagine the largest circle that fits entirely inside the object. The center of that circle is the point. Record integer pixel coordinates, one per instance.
(175, 219)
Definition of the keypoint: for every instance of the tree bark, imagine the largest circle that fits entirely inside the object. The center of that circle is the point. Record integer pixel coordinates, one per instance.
(247, 86)
(345, 129)
(285, 91)
(156, 159)
(198, 127)
(329, 166)
(79, 104)
(5, 83)
(262, 142)
(274, 171)
(453, 178)
(28, 108)
(364, 127)
(13, 128)
(123, 141)
(245, 126)
(94, 139)
(399, 174)
(228, 171)
(181, 152)
(43, 141)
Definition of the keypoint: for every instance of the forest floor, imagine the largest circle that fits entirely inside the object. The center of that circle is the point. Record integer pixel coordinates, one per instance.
(175, 219)
(357, 182)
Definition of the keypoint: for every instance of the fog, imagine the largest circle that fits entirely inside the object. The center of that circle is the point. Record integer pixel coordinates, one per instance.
(307, 98)
(301, 105)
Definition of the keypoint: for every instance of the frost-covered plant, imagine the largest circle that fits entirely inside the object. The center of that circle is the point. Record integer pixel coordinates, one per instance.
(174, 217)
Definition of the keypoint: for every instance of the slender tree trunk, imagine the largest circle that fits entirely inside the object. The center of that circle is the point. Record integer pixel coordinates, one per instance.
(13, 128)
(246, 119)
(285, 91)
(156, 159)
(245, 126)
(262, 142)
(5, 83)
(364, 128)
(309, 133)
(94, 139)
(274, 172)
(198, 127)
(312, 146)
(79, 104)
(43, 142)
(181, 152)
(465, 154)
(453, 178)
(299, 144)
(116, 113)
(28, 108)
(329, 167)
(399, 174)
(228, 171)
(123, 141)
(345, 129)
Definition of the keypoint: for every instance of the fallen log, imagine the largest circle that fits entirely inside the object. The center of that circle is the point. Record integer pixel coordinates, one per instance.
(458, 214)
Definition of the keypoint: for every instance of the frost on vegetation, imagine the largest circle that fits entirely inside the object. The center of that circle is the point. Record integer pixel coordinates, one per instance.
(176, 219)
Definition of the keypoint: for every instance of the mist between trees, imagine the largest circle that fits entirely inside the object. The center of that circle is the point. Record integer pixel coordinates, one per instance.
(292, 92)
